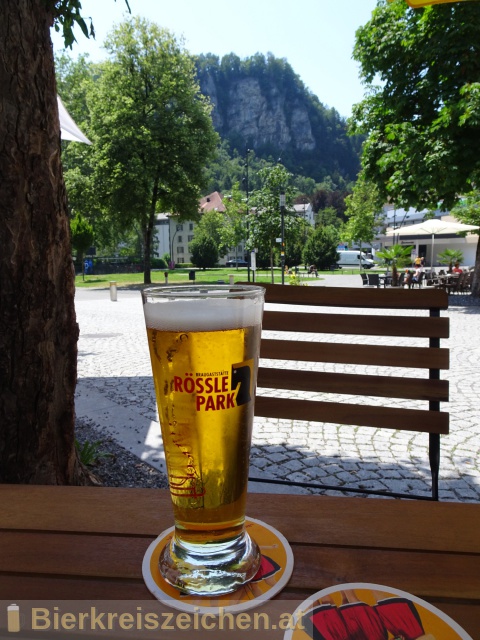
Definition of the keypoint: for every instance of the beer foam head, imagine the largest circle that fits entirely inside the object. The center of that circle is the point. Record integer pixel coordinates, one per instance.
(204, 314)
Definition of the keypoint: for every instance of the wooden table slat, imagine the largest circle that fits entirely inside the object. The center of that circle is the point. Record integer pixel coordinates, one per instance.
(87, 543)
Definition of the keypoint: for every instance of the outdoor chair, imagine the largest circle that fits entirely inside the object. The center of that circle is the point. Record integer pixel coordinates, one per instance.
(466, 285)
(419, 281)
(364, 279)
(373, 279)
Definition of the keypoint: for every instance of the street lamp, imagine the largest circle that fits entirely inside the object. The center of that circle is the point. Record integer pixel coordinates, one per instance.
(245, 181)
(282, 246)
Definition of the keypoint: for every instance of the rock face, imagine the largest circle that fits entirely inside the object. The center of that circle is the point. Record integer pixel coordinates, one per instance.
(261, 103)
(263, 119)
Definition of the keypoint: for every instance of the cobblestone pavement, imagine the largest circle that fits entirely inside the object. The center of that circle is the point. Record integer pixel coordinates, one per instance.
(115, 394)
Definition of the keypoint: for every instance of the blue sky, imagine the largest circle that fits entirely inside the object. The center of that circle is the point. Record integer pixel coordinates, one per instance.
(315, 36)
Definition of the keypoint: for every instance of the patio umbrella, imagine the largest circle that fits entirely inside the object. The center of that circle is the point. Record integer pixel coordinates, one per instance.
(416, 4)
(433, 227)
(68, 128)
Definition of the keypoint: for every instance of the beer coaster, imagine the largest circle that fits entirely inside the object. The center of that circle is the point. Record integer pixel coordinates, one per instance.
(372, 611)
(274, 573)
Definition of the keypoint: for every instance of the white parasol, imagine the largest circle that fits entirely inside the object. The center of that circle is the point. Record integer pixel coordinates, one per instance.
(68, 128)
(433, 227)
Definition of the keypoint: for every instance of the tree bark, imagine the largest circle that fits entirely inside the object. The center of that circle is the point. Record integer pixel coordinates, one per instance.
(476, 273)
(38, 329)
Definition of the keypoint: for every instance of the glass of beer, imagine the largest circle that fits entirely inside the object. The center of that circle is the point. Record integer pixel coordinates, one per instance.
(204, 342)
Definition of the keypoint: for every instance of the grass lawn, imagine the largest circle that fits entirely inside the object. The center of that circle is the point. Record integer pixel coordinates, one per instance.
(181, 275)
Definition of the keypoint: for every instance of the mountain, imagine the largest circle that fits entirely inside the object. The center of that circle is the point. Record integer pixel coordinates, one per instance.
(260, 103)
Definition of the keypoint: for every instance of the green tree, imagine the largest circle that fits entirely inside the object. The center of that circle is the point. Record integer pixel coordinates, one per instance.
(363, 212)
(328, 217)
(396, 256)
(38, 341)
(235, 228)
(204, 251)
(212, 225)
(450, 256)
(321, 247)
(82, 237)
(423, 118)
(266, 221)
(151, 129)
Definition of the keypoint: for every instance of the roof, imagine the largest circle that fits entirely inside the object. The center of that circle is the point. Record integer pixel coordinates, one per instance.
(212, 202)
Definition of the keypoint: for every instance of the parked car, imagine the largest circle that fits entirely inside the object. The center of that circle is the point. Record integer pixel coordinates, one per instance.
(236, 263)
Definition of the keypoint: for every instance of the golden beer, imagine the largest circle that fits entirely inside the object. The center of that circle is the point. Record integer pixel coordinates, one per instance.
(204, 351)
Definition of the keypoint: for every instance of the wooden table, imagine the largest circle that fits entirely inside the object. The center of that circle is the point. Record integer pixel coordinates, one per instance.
(88, 544)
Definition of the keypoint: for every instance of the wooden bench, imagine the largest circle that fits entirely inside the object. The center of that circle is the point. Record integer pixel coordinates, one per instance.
(299, 359)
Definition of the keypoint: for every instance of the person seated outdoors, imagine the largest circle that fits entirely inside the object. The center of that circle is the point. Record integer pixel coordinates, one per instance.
(456, 268)
(313, 270)
(416, 274)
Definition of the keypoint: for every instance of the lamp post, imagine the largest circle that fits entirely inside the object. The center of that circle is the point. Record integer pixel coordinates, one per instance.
(172, 261)
(282, 246)
(245, 181)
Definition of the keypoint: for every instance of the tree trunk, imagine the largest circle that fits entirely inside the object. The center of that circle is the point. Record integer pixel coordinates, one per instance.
(38, 336)
(476, 273)
(147, 265)
(148, 233)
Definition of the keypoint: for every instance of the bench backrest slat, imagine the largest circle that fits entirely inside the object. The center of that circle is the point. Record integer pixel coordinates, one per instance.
(390, 298)
(347, 414)
(358, 385)
(368, 325)
(414, 357)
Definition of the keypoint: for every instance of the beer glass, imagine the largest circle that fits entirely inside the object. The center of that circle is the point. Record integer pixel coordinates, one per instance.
(204, 343)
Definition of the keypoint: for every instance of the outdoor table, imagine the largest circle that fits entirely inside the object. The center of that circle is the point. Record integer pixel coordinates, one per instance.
(87, 543)
(385, 279)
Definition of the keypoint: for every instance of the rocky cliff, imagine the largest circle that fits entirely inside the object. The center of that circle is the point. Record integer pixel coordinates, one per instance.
(262, 104)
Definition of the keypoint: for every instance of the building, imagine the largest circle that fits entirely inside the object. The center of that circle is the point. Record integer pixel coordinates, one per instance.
(173, 236)
(305, 210)
(422, 244)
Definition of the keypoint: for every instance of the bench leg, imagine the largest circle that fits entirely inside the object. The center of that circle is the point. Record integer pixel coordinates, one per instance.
(434, 456)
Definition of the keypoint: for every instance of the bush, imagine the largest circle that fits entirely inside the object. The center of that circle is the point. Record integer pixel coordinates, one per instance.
(158, 263)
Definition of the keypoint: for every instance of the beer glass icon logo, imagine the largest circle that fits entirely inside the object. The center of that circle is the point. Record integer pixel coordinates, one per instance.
(13, 618)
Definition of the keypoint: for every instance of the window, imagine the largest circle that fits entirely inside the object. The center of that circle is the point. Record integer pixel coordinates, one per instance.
(179, 249)
(190, 238)
(190, 226)
(179, 239)
(179, 227)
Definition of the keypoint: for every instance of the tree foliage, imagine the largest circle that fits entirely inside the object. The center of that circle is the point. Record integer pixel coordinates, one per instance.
(450, 257)
(151, 130)
(82, 236)
(212, 225)
(204, 251)
(265, 222)
(321, 247)
(363, 212)
(423, 119)
(396, 256)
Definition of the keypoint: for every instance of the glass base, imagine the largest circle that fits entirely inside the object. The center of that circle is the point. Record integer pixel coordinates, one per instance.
(210, 569)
